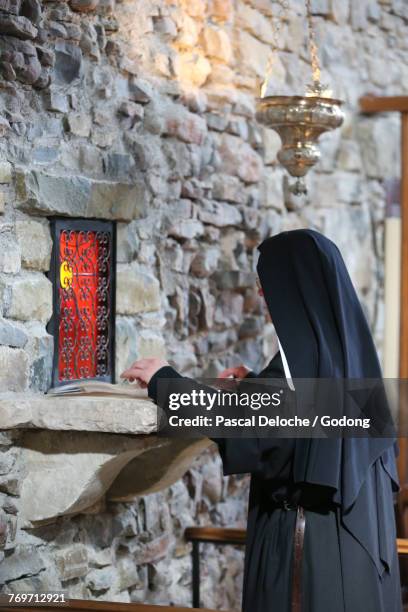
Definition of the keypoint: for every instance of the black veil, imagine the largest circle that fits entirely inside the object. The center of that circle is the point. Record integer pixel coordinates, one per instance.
(324, 334)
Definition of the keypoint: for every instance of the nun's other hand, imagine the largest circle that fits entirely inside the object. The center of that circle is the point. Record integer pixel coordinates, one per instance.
(143, 370)
(236, 372)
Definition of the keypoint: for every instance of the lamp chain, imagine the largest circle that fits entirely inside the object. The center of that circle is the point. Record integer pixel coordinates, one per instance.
(276, 27)
(313, 47)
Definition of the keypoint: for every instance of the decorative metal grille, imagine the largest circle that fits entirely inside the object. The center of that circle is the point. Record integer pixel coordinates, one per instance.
(83, 275)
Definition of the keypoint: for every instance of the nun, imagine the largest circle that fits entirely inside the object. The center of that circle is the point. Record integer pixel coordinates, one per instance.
(321, 528)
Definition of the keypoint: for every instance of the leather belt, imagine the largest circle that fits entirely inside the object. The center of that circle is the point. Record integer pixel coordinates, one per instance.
(298, 540)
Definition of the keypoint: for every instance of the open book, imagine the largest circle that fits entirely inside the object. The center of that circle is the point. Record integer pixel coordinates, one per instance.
(99, 388)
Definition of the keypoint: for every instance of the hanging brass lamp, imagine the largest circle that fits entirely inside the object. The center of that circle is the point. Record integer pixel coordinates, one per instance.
(300, 120)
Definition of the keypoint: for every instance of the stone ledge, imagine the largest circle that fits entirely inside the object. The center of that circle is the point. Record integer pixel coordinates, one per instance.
(120, 415)
(76, 450)
(68, 472)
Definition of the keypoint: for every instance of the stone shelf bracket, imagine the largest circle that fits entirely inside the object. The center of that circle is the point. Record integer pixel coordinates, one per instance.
(77, 450)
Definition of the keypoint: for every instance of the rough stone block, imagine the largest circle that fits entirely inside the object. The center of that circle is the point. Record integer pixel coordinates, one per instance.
(341, 10)
(20, 60)
(379, 146)
(216, 121)
(154, 550)
(3, 530)
(253, 57)
(252, 20)
(10, 6)
(232, 279)
(272, 195)
(359, 14)
(101, 579)
(187, 126)
(80, 196)
(21, 27)
(11, 483)
(191, 67)
(222, 10)
(7, 461)
(46, 56)
(128, 574)
(228, 188)
(128, 242)
(217, 43)
(205, 262)
(68, 63)
(72, 562)
(56, 101)
(212, 482)
(229, 309)
(349, 156)
(272, 143)
(5, 172)
(40, 348)
(136, 290)
(79, 124)
(4, 126)
(138, 92)
(126, 344)
(400, 8)
(10, 256)
(320, 7)
(44, 582)
(29, 297)
(35, 243)
(187, 229)
(238, 158)
(56, 29)
(219, 214)
(12, 335)
(150, 344)
(118, 165)
(45, 155)
(32, 10)
(14, 369)
(84, 6)
(25, 560)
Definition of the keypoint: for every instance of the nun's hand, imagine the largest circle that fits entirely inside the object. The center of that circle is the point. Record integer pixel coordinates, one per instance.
(143, 370)
(236, 372)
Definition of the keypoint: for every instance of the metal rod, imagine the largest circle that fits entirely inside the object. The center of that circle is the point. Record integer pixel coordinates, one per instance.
(195, 554)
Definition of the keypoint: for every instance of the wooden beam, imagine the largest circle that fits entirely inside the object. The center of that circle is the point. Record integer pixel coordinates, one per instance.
(402, 546)
(91, 606)
(403, 371)
(381, 104)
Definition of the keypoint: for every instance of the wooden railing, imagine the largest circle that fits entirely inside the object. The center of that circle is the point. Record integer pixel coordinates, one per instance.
(196, 535)
(218, 535)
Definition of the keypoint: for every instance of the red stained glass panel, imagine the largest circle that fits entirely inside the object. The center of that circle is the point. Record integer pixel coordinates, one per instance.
(84, 333)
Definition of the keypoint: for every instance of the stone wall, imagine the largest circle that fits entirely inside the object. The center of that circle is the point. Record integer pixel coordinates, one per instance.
(143, 112)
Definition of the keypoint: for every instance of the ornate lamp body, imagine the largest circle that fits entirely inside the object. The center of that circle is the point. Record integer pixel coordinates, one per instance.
(299, 121)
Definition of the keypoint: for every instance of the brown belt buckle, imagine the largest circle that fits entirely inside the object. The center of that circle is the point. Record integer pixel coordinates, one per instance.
(298, 540)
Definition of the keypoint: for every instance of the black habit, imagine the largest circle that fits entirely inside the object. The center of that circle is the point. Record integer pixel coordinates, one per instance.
(346, 485)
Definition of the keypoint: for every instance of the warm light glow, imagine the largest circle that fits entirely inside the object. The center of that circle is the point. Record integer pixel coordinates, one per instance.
(317, 89)
(268, 74)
